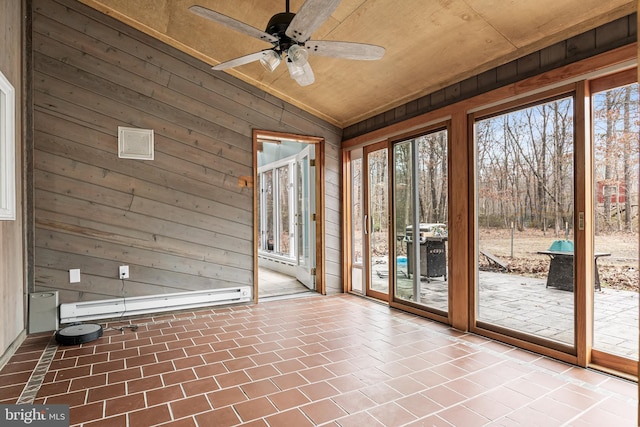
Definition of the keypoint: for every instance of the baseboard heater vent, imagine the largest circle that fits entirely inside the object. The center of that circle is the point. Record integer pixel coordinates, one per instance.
(110, 308)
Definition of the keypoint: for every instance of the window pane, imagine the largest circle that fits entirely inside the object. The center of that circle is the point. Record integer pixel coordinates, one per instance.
(303, 210)
(615, 153)
(259, 206)
(357, 239)
(284, 195)
(420, 200)
(356, 210)
(403, 218)
(268, 206)
(432, 196)
(378, 220)
(525, 205)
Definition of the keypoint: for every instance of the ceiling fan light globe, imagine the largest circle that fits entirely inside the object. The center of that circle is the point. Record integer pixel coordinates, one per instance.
(305, 80)
(298, 55)
(295, 70)
(270, 60)
(307, 76)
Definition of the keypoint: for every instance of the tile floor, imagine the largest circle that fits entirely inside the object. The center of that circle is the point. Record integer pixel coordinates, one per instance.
(335, 361)
(275, 284)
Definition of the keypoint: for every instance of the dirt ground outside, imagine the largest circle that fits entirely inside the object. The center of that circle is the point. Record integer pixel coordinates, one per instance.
(618, 271)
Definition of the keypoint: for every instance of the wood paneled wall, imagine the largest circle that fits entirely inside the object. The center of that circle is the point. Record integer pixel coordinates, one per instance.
(12, 265)
(181, 222)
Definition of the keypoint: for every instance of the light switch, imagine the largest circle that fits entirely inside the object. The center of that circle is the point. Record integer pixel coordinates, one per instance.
(74, 275)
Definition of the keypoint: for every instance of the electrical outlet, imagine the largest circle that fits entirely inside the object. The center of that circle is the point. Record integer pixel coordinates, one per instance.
(124, 272)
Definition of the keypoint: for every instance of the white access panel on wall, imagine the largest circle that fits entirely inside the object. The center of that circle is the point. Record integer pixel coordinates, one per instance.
(43, 311)
(134, 143)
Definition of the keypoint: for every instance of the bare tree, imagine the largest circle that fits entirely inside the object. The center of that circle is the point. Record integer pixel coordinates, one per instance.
(527, 162)
(628, 154)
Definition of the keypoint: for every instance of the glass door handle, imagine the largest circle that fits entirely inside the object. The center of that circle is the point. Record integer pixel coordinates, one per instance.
(366, 224)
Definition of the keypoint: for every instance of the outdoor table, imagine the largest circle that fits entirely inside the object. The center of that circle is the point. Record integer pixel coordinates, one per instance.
(561, 269)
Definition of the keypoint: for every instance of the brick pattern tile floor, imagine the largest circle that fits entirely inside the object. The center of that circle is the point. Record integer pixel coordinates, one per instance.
(334, 361)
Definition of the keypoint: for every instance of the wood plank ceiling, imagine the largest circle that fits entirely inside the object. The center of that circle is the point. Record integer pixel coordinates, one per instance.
(429, 44)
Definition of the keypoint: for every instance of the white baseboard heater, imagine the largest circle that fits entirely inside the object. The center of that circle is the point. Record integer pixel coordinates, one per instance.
(117, 307)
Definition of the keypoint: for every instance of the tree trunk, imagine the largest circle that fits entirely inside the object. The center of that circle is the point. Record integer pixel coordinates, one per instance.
(627, 167)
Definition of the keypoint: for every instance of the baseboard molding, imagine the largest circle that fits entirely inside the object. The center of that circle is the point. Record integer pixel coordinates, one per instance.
(13, 347)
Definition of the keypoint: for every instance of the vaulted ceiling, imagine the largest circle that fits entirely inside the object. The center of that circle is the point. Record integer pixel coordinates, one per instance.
(429, 44)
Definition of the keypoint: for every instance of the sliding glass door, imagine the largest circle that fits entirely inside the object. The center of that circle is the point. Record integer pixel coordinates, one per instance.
(356, 239)
(615, 212)
(420, 221)
(524, 222)
(376, 220)
(304, 224)
(546, 195)
(368, 190)
(539, 279)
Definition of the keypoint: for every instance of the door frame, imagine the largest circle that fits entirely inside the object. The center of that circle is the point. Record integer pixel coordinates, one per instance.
(260, 136)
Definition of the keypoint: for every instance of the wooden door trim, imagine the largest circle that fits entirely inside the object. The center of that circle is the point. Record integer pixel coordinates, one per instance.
(258, 136)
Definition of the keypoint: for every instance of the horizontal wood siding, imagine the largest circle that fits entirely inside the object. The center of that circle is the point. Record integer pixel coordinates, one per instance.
(12, 254)
(333, 220)
(181, 222)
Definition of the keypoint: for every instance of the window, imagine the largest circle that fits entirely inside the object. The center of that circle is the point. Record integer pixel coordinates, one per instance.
(277, 208)
(7, 150)
(525, 207)
(421, 202)
(615, 219)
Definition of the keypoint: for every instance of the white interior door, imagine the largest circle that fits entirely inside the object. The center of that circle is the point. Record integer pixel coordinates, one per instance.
(305, 223)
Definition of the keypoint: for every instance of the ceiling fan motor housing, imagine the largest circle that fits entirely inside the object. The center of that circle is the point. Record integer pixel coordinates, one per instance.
(277, 26)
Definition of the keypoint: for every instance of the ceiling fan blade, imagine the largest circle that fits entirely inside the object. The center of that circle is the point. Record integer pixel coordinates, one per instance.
(347, 50)
(311, 15)
(232, 23)
(241, 60)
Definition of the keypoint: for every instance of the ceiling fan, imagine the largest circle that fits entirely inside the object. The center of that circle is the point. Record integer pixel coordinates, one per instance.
(289, 35)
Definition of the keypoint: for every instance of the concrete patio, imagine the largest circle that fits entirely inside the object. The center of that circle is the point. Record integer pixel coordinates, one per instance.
(527, 305)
